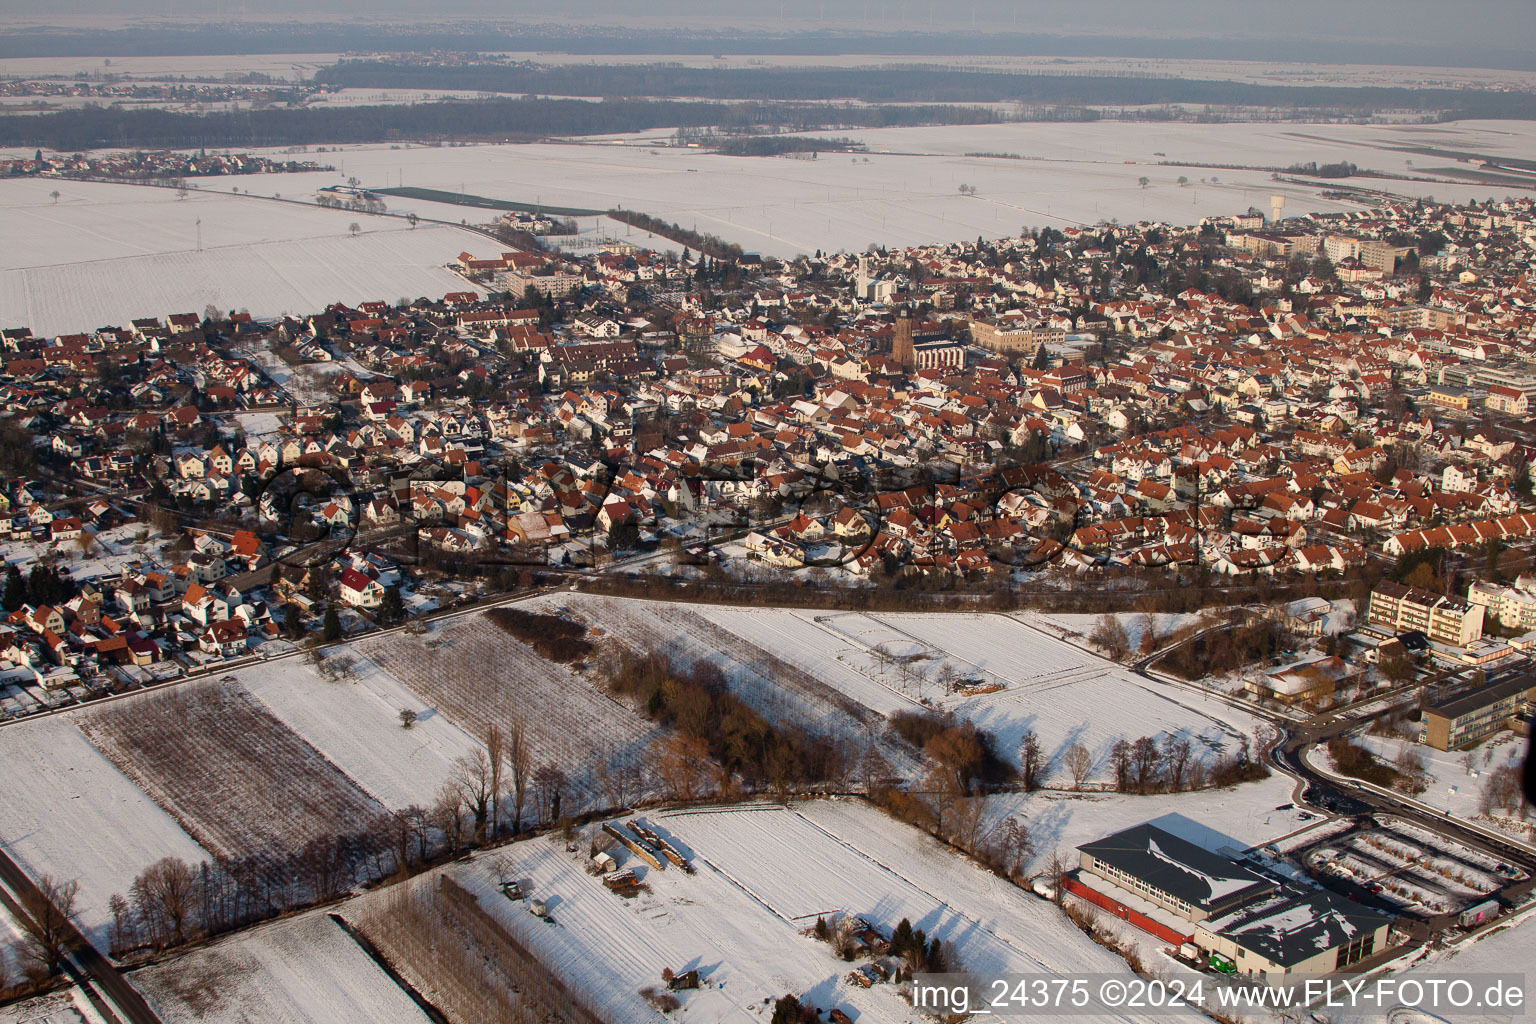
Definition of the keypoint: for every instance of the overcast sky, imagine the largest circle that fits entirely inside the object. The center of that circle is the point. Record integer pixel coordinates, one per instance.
(1502, 24)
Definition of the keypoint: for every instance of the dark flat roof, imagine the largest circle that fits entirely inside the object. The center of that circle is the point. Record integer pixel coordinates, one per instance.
(1178, 867)
(1467, 703)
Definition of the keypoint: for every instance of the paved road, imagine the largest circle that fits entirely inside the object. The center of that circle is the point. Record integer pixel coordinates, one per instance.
(94, 973)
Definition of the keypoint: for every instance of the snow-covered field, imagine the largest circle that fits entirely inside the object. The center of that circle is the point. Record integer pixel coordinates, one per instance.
(1455, 786)
(105, 254)
(303, 970)
(1063, 693)
(355, 723)
(236, 777)
(282, 66)
(737, 920)
(1244, 816)
(71, 814)
(905, 190)
(476, 674)
(53, 1008)
(761, 669)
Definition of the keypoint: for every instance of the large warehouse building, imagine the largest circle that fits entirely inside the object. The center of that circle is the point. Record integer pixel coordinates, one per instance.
(1245, 922)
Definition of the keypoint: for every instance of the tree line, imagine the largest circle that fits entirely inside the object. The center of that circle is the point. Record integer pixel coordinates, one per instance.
(494, 120)
(717, 744)
(908, 85)
(706, 244)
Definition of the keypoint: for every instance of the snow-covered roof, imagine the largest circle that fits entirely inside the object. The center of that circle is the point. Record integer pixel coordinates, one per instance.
(1177, 867)
(1291, 931)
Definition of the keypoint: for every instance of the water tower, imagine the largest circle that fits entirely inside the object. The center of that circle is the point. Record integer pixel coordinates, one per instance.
(1276, 207)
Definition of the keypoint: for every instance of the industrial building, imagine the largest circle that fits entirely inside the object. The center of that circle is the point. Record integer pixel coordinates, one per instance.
(1243, 921)
(1172, 873)
(1293, 932)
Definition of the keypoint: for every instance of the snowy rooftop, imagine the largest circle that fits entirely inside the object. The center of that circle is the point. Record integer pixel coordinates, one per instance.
(1178, 867)
(1289, 931)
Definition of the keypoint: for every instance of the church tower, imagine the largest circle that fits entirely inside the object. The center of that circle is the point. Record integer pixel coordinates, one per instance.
(901, 344)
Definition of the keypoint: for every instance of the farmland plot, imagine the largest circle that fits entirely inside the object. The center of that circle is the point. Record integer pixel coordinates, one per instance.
(476, 674)
(77, 817)
(816, 642)
(739, 919)
(905, 190)
(236, 777)
(301, 970)
(1064, 694)
(447, 946)
(356, 725)
(778, 688)
(104, 253)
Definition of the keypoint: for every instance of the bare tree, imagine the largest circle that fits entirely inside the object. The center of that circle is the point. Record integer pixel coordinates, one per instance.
(122, 922)
(1110, 635)
(166, 888)
(419, 821)
(1031, 761)
(1120, 759)
(48, 912)
(947, 677)
(496, 752)
(618, 778)
(873, 767)
(354, 228)
(448, 815)
(969, 814)
(1079, 762)
(1056, 868)
(549, 783)
(1176, 755)
(1144, 759)
(472, 778)
(883, 658)
(1013, 846)
(682, 764)
(519, 755)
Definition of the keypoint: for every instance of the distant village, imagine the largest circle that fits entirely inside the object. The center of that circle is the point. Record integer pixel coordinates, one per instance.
(1248, 400)
(165, 166)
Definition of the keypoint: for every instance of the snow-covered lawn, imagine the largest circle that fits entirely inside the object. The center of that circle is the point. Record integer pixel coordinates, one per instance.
(355, 723)
(112, 549)
(258, 425)
(1453, 786)
(71, 814)
(104, 254)
(304, 970)
(760, 870)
